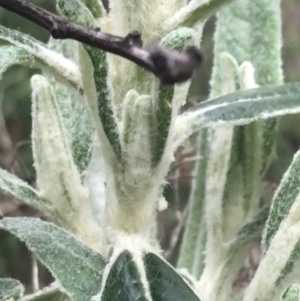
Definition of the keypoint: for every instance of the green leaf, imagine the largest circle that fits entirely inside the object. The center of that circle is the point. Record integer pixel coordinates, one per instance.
(192, 247)
(15, 187)
(292, 293)
(267, 61)
(95, 182)
(129, 115)
(96, 7)
(74, 115)
(46, 59)
(165, 103)
(239, 108)
(196, 11)
(164, 282)
(253, 228)
(280, 264)
(49, 293)
(61, 185)
(123, 282)
(105, 106)
(76, 11)
(91, 101)
(77, 267)
(10, 288)
(11, 55)
(126, 280)
(286, 195)
(282, 232)
(50, 148)
(138, 147)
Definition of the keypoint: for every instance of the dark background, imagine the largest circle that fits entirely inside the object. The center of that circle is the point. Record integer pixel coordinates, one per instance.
(16, 156)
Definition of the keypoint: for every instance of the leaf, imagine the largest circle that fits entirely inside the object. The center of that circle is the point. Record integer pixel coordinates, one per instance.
(280, 264)
(54, 62)
(281, 241)
(239, 108)
(228, 67)
(128, 116)
(10, 288)
(96, 7)
(254, 227)
(77, 267)
(95, 182)
(15, 187)
(292, 293)
(105, 106)
(91, 101)
(123, 282)
(267, 61)
(191, 255)
(126, 280)
(285, 196)
(195, 12)
(49, 293)
(164, 283)
(76, 11)
(11, 55)
(74, 115)
(165, 104)
(138, 152)
(61, 184)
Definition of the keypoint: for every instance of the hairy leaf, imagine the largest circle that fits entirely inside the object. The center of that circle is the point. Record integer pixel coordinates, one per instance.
(254, 227)
(11, 55)
(164, 282)
(292, 293)
(77, 267)
(50, 147)
(96, 7)
(15, 187)
(281, 240)
(286, 195)
(165, 104)
(123, 282)
(239, 108)
(267, 61)
(74, 116)
(129, 114)
(10, 288)
(193, 243)
(76, 11)
(195, 12)
(49, 293)
(54, 62)
(138, 152)
(61, 184)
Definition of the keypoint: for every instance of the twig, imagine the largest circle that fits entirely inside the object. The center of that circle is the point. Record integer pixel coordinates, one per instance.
(169, 66)
(35, 274)
(182, 162)
(63, 29)
(15, 152)
(176, 233)
(5, 140)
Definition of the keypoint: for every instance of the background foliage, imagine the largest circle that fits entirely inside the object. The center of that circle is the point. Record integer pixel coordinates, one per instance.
(16, 156)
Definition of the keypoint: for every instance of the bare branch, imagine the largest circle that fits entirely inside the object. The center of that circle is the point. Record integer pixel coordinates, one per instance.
(176, 68)
(63, 29)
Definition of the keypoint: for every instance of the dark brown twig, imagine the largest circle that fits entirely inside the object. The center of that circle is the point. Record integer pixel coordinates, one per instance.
(63, 29)
(176, 233)
(169, 66)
